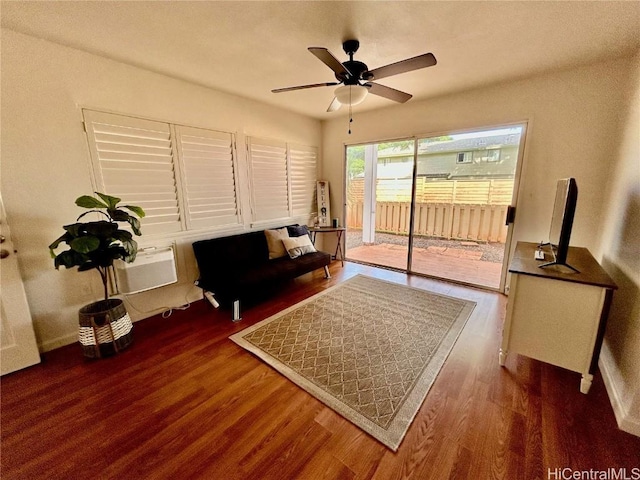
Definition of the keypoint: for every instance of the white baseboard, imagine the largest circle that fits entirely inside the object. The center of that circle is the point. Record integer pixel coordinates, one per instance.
(631, 426)
(625, 420)
(136, 316)
(70, 338)
(59, 342)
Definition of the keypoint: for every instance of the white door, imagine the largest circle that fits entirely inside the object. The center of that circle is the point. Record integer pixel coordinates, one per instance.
(18, 348)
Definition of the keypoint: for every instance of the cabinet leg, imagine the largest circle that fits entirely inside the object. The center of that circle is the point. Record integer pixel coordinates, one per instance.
(585, 383)
(502, 357)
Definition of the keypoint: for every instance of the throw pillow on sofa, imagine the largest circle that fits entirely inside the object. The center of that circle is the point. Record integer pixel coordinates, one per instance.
(297, 246)
(274, 242)
(297, 230)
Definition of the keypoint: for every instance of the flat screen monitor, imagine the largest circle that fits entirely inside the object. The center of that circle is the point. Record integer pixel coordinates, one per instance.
(564, 209)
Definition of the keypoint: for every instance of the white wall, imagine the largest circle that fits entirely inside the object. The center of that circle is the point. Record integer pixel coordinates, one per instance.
(581, 124)
(619, 253)
(45, 162)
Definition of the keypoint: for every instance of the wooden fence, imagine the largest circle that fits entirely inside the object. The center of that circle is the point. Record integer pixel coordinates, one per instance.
(472, 210)
(484, 223)
(470, 192)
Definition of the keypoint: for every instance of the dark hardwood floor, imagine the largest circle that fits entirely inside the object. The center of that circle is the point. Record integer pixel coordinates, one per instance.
(185, 402)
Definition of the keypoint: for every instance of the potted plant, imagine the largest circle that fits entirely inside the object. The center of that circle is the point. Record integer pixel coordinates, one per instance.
(105, 326)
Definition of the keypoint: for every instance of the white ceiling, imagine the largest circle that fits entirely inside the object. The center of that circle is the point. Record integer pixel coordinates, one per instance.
(249, 48)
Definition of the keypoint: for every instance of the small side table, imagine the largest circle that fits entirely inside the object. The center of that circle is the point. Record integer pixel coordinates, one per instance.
(338, 231)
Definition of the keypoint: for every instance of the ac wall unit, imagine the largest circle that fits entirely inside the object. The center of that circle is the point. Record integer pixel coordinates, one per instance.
(152, 268)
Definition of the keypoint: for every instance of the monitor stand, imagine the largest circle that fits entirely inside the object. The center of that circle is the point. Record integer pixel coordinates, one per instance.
(556, 263)
(566, 265)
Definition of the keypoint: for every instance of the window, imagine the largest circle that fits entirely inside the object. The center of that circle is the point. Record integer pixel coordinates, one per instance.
(490, 155)
(303, 176)
(184, 178)
(493, 155)
(269, 179)
(464, 157)
(283, 179)
(133, 160)
(209, 181)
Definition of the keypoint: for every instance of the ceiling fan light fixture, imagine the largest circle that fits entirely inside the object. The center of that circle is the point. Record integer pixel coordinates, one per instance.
(351, 94)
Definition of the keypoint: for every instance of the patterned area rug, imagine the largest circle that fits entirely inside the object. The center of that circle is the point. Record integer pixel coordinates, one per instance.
(367, 348)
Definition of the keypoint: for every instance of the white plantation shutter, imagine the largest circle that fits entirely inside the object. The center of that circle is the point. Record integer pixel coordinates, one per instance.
(133, 160)
(269, 180)
(303, 176)
(186, 178)
(209, 177)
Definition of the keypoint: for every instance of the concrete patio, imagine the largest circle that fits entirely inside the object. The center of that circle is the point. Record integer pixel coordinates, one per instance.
(468, 262)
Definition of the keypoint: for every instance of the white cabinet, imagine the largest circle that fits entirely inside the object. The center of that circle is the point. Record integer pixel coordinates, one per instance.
(556, 315)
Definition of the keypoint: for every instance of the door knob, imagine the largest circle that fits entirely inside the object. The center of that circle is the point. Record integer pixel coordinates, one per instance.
(2, 238)
(4, 253)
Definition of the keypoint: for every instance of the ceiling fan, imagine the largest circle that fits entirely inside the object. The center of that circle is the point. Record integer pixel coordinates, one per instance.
(356, 78)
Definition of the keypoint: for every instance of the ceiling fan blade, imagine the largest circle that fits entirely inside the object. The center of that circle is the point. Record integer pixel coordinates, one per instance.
(302, 87)
(335, 105)
(326, 57)
(388, 92)
(408, 65)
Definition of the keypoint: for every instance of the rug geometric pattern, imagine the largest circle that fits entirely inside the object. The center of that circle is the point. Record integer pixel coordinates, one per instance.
(363, 347)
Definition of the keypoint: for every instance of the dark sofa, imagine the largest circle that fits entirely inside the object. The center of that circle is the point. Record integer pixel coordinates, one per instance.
(236, 268)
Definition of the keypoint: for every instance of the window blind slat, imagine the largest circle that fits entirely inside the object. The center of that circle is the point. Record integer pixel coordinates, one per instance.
(148, 178)
(145, 161)
(128, 127)
(107, 139)
(143, 192)
(134, 166)
(106, 149)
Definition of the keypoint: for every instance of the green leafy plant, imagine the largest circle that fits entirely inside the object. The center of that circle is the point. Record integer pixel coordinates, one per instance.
(97, 244)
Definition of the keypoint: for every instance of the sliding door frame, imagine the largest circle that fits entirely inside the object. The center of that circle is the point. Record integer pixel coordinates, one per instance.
(412, 208)
(524, 124)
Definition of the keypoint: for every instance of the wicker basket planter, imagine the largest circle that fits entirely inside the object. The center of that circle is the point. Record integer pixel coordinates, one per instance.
(105, 328)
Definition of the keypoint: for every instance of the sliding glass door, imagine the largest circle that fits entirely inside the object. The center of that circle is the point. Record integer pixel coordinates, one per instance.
(379, 189)
(464, 185)
(435, 205)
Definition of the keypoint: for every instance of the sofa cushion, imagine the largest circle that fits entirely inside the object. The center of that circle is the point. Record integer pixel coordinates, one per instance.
(298, 246)
(274, 242)
(225, 253)
(277, 270)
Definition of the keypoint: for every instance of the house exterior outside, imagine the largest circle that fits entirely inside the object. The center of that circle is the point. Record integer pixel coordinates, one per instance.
(486, 157)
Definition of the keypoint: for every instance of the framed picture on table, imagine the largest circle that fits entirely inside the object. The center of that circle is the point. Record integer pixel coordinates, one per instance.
(324, 214)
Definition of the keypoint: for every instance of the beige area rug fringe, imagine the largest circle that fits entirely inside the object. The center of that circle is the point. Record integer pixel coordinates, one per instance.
(367, 348)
